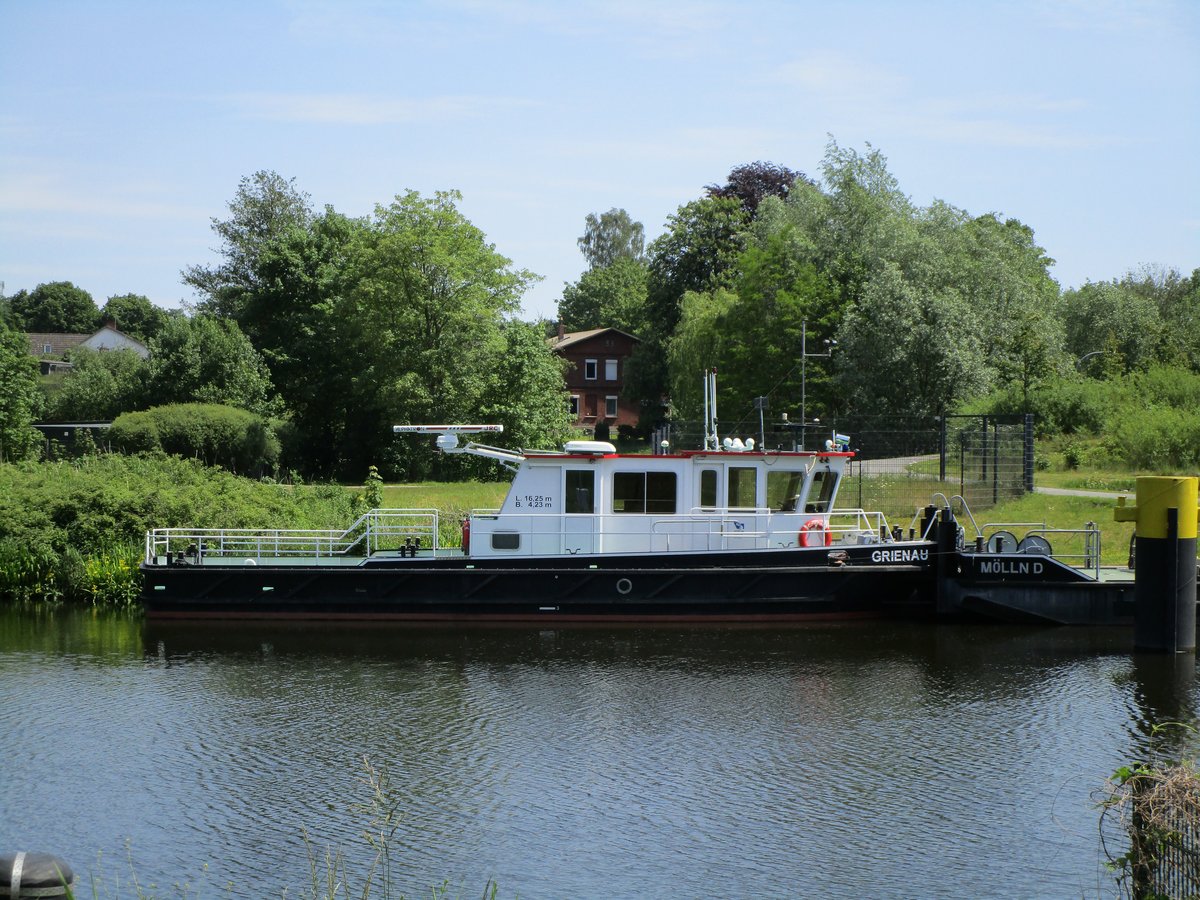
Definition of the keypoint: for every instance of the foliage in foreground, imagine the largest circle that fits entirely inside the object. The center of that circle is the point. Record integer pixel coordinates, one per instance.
(1156, 805)
(74, 531)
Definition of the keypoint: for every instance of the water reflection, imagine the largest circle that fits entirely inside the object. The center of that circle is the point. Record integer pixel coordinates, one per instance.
(838, 760)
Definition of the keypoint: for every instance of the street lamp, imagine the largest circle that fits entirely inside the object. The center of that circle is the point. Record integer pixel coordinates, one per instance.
(804, 355)
(1079, 362)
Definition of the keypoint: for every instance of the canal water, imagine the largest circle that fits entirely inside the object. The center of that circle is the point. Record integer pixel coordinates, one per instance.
(864, 760)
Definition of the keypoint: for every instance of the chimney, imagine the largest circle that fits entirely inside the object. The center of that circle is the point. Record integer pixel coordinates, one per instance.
(562, 332)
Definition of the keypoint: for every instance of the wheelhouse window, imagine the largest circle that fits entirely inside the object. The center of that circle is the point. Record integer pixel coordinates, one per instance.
(589, 369)
(743, 487)
(610, 406)
(580, 489)
(783, 490)
(644, 492)
(820, 492)
(708, 488)
(610, 370)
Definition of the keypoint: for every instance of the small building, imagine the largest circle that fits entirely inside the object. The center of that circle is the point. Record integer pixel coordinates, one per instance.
(52, 349)
(596, 376)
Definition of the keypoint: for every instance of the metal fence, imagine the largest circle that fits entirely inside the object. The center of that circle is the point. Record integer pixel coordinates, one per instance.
(902, 461)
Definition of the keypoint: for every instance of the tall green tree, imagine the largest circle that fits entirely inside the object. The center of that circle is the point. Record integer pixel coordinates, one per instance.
(306, 319)
(611, 236)
(612, 296)
(57, 307)
(204, 359)
(264, 206)
(525, 392)
(1109, 317)
(134, 315)
(433, 296)
(20, 398)
(697, 253)
(907, 351)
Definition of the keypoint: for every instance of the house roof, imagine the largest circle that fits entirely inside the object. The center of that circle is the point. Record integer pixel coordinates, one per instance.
(560, 342)
(60, 344)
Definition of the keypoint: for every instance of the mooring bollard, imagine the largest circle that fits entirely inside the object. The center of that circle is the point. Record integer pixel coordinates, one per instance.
(28, 875)
(1165, 594)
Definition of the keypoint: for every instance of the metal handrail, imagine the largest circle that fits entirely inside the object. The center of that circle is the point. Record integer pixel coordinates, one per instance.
(368, 534)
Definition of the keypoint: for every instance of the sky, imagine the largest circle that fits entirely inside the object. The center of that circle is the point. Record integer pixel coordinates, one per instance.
(125, 127)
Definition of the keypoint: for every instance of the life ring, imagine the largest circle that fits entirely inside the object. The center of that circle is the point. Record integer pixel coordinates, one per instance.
(814, 528)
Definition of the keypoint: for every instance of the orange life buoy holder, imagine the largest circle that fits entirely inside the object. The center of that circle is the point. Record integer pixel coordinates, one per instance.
(814, 528)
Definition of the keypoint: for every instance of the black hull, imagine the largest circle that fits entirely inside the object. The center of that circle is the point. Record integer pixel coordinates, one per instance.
(744, 587)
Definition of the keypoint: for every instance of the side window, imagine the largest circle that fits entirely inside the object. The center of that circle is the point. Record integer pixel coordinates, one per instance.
(610, 407)
(820, 493)
(506, 540)
(610, 370)
(644, 492)
(708, 488)
(629, 492)
(580, 489)
(589, 369)
(743, 488)
(783, 490)
(660, 492)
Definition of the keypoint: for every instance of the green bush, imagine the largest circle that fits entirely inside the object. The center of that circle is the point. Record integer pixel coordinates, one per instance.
(75, 530)
(1060, 406)
(1157, 439)
(217, 435)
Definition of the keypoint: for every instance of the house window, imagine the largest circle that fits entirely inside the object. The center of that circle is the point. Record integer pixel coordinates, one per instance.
(610, 370)
(589, 406)
(644, 492)
(610, 406)
(47, 349)
(589, 369)
(573, 405)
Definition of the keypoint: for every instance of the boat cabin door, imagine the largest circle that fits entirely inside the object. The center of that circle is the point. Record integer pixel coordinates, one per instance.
(579, 521)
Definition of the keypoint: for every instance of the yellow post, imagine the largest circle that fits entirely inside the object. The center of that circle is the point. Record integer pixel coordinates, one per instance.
(1165, 525)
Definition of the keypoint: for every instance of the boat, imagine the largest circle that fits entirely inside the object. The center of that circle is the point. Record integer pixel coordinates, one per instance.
(728, 532)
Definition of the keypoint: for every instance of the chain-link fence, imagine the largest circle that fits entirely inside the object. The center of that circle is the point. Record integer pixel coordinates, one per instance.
(901, 462)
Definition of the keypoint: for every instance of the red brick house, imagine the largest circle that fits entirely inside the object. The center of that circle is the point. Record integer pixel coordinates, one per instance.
(596, 375)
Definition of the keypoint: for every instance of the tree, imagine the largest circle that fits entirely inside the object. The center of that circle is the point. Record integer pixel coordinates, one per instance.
(1107, 316)
(611, 296)
(904, 351)
(431, 297)
(134, 315)
(99, 386)
(611, 236)
(204, 359)
(305, 317)
(525, 391)
(57, 307)
(265, 206)
(20, 398)
(752, 183)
